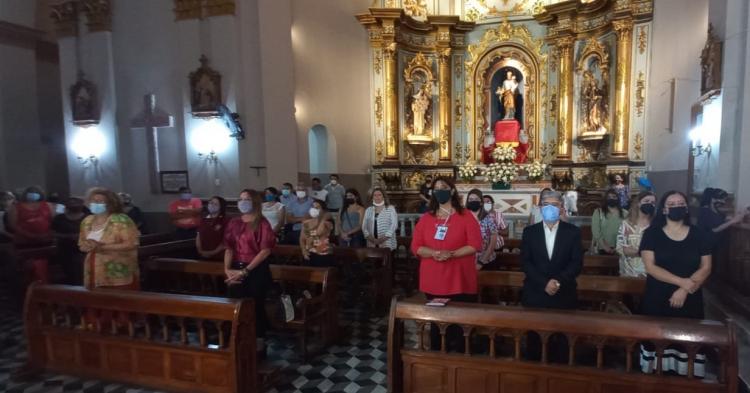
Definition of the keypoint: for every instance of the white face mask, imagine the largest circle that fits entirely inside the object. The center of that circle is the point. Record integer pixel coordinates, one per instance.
(378, 204)
(314, 213)
(488, 207)
(301, 194)
(334, 182)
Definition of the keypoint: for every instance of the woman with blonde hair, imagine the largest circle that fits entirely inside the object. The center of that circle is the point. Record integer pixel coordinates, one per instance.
(643, 208)
(110, 240)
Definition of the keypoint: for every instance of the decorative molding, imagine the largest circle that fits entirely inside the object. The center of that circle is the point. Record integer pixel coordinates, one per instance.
(98, 14)
(640, 93)
(378, 108)
(379, 150)
(65, 18)
(638, 146)
(417, 9)
(188, 9)
(377, 61)
(218, 7)
(642, 39)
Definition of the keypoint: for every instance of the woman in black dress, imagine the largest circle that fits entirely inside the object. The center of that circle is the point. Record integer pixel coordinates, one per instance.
(677, 257)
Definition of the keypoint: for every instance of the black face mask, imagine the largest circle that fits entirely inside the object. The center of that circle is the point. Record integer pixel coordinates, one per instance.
(648, 209)
(474, 205)
(718, 205)
(677, 213)
(442, 196)
(350, 201)
(612, 202)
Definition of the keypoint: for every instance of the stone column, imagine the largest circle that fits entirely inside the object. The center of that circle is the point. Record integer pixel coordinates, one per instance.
(624, 31)
(444, 95)
(565, 98)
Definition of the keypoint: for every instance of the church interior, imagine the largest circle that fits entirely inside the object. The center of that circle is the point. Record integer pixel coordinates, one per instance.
(238, 196)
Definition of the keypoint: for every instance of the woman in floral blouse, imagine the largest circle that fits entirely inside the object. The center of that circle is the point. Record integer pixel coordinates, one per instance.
(487, 225)
(643, 208)
(110, 240)
(315, 239)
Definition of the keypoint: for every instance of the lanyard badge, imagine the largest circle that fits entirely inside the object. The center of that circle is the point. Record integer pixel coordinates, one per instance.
(441, 232)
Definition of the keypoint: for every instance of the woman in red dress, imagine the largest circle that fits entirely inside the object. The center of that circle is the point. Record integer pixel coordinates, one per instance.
(446, 239)
(31, 223)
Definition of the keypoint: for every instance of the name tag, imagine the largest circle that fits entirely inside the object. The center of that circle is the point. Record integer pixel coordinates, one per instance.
(442, 231)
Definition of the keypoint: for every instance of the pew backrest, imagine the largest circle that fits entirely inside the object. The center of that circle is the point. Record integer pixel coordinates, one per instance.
(413, 367)
(607, 265)
(173, 342)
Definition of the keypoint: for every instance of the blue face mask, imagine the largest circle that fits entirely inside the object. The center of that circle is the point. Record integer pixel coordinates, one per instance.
(245, 206)
(186, 196)
(33, 197)
(97, 208)
(550, 213)
(270, 198)
(285, 193)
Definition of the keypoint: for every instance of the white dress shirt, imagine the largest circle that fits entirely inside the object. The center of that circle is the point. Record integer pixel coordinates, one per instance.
(549, 237)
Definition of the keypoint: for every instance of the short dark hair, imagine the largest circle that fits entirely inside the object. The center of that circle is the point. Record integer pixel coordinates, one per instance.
(317, 179)
(35, 189)
(273, 191)
(333, 175)
(184, 189)
(475, 191)
(291, 187)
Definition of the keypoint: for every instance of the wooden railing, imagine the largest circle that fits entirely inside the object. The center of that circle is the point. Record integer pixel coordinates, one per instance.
(500, 365)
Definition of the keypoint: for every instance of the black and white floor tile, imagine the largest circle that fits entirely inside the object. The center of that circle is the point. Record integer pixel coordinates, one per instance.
(357, 364)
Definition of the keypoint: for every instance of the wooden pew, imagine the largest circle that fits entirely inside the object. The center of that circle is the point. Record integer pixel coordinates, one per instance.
(377, 262)
(186, 276)
(169, 342)
(414, 368)
(511, 244)
(175, 248)
(154, 238)
(605, 265)
(593, 291)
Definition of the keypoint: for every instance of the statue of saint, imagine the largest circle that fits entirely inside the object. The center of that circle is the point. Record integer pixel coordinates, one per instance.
(419, 106)
(594, 107)
(507, 95)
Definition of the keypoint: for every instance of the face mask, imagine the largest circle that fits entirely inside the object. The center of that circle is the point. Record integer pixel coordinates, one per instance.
(314, 213)
(488, 207)
(442, 196)
(245, 206)
(213, 208)
(550, 213)
(648, 209)
(97, 208)
(285, 193)
(270, 198)
(677, 213)
(474, 205)
(428, 182)
(350, 201)
(186, 196)
(334, 182)
(612, 202)
(718, 204)
(378, 204)
(33, 197)
(301, 194)
(59, 209)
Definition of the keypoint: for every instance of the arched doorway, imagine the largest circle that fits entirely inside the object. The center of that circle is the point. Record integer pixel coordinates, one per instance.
(322, 150)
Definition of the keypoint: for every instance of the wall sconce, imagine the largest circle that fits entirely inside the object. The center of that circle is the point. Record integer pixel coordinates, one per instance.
(89, 161)
(210, 157)
(698, 149)
(88, 145)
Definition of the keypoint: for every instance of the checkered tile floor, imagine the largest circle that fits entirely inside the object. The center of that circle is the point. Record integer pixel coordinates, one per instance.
(357, 364)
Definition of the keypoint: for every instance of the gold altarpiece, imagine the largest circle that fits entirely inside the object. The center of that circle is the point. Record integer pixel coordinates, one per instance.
(582, 68)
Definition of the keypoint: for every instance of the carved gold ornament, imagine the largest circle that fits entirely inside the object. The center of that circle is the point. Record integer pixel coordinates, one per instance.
(640, 94)
(377, 62)
(98, 15)
(475, 10)
(65, 18)
(379, 108)
(417, 9)
(379, 151)
(642, 39)
(458, 113)
(638, 146)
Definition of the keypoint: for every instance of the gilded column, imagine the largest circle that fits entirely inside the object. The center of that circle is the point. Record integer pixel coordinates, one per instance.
(624, 30)
(390, 58)
(444, 77)
(565, 98)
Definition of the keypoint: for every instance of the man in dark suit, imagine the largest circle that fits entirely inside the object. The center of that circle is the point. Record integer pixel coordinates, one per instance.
(551, 258)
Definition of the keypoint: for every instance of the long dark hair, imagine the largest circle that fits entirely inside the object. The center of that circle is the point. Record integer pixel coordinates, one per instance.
(357, 200)
(661, 219)
(222, 205)
(475, 191)
(712, 193)
(635, 207)
(605, 208)
(455, 202)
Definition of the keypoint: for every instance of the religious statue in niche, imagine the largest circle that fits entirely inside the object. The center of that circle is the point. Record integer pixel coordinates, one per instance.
(711, 62)
(506, 93)
(594, 108)
(418, 98)
(420, 103)
(84, 101)
(205, 90)
(506, 112)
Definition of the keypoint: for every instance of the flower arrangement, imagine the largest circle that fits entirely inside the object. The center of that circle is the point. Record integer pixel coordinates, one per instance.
(504, 153)
(504, 172)
(467, 170)
(536, 170)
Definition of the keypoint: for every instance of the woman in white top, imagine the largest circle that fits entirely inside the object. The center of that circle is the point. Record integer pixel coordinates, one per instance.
(642, 210)
(273, 210)
(381, 222)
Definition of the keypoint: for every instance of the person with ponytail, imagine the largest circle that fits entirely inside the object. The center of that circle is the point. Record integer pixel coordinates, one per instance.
(643, 209)
(249, 240)
(677, 257)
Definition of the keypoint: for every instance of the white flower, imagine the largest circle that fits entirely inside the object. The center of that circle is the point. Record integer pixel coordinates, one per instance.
(536, 170)
(501, 172)
(504, 153)
(467, 170)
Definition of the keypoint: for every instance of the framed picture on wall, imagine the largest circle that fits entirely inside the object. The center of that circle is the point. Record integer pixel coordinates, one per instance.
(172, 181)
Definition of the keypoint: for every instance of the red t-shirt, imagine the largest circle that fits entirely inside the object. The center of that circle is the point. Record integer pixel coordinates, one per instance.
(179, 205)
(35, 221)
(456, 275)
(211, 232)
(247, 243)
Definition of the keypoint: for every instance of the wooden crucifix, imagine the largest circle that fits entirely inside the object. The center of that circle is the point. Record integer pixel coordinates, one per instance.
(151, 119)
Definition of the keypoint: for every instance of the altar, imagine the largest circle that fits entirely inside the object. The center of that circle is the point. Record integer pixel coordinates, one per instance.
(515, 202)
(559, 82)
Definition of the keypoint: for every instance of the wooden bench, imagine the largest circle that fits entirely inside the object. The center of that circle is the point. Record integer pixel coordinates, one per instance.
(154, 238)
(593, 291)
(515, 244)
(413, 368)
(194, 277)
(604, 265)
(376, 261)
(170, 342)
(175, 248)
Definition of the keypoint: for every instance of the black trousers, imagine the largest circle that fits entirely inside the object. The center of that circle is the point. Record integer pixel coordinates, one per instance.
(454, 335)
(317, 260)
(255, 286)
